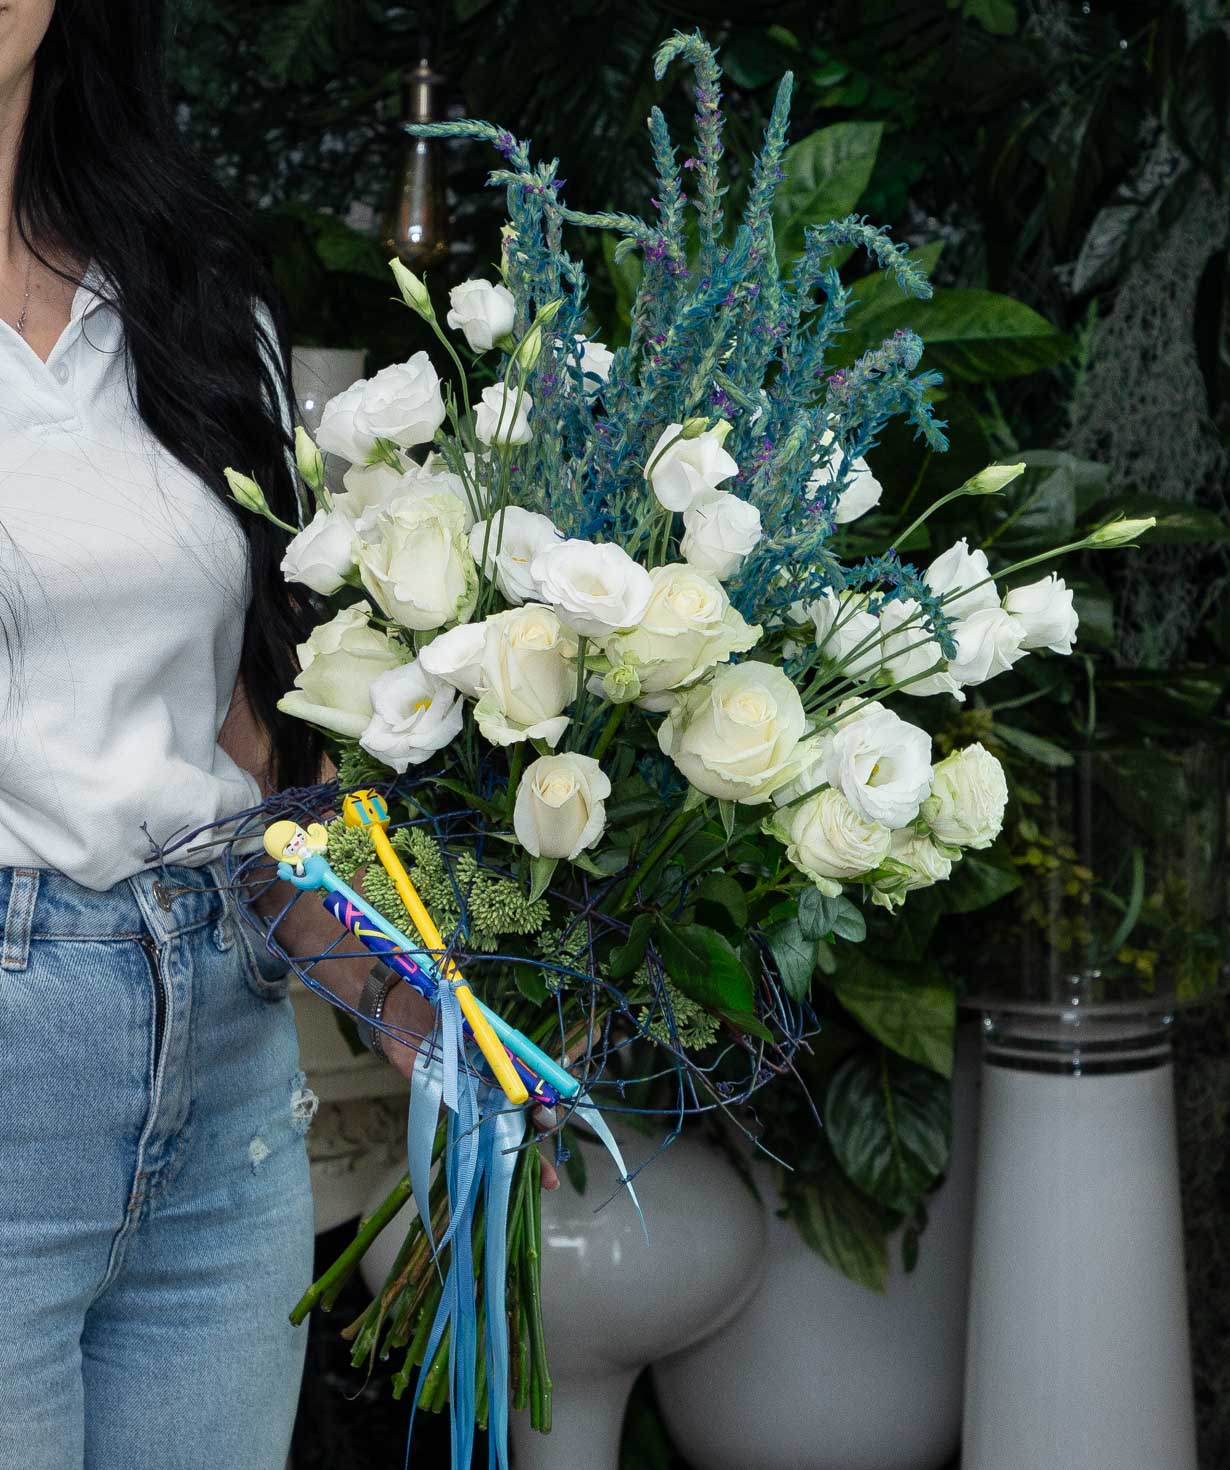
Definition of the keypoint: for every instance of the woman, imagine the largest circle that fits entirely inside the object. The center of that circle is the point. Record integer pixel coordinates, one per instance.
(156, 1225)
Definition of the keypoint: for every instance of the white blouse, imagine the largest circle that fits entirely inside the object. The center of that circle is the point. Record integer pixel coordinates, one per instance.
(123, 590)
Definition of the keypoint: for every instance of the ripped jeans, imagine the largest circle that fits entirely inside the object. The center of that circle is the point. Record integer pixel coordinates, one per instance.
(155, 1209)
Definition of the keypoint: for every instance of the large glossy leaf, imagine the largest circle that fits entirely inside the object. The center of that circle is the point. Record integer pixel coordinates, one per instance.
(705, 967)
(820, 916)
(795, 956)
(916, 1018)
(975, 883)
(1097, 134)
(890, 1125)
(842, 1226)
(824, 175)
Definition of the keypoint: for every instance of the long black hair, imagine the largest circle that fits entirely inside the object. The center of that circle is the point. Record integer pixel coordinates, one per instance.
(103, 176)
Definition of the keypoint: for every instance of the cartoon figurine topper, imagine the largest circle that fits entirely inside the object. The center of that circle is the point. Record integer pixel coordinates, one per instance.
(290, 845)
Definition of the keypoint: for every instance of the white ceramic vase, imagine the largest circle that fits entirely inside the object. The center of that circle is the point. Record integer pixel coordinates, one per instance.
(816, 1373)
(321, 373)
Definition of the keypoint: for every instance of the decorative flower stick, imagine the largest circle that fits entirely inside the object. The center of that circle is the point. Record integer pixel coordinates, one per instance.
(299, 855)
(367, 809)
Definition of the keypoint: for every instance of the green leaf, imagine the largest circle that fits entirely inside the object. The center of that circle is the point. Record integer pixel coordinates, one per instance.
(975, 883)
(916, 1019)
(998, 17)
(727, 893)
(541, 871)
(794, 955)
(1044, 752)
(1096, 132)
(748, 1023)
(820, 916)
(728, 811)
(705, 966)
(890, 1126)
(825, 174)
(843, 1227)
(1177, 525)
(626, 957)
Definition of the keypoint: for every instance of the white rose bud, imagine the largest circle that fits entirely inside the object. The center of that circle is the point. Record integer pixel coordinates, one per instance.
(828, 841)
(322, 553)
(683, 469)
(402, 403)
(881, 764)
(503, 415)
(968, 798)
(338, 432)
(420, 569)
(1045, 614)
(736, 737)
(560, 808)
(687, 628)
(960, 567)
(413, 716)
(988, 643)
(862, 490)
(917, 862)
(456, 656)
(513, 538)
(909, 651)
(597, 589)
(528, 678)
(338, 665)
(846, 633)
(483, 312)
(718, 533)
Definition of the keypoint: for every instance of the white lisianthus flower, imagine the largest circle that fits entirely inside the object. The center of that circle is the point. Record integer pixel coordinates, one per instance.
(1043, 610)
(370, 487)
(862, 490)
(916, 861)
(681, 472)
(988, 643)
(419, 569)
(597, 589)
(909, 650)
(736, 737)
(515, 538)
(846, 633)
(560, 808)
(503, 416)
(881, 764)
(483, 312)
(413, 716)
(322, 553)
(337, 666)
(687, 628)
(434, 476)
(338, 432)
(596, 360)
(829, 841)
(960, 567)
(527, 676)
(456, 656)
(402, 403)
(719, 532)
(968, 796)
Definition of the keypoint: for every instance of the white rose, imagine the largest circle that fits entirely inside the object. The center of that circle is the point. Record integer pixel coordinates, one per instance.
(484, 312)
(719, 532)
(968, 797)
(829, 841)
(960, 567)
(516, 536)
(846, 633)
(503, 416)
(809, 755)
(597, 589)
(420, 569)
(322, 553)
(988, 643)
(881, 764)
(456, 656)
(528, 677)
(413, 716)
(687, 628)
(862, 490)
(1044, 612)
(560, 808)
(737, 736)
(402, 403)
(917, 862)
(909, 650)
(337, 665)
(338, 432)
(682, 472)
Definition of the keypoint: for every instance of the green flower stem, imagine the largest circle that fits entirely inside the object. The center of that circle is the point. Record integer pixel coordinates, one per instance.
(540, 1373)
(608, 732)
(579, 701)
(682, 818)
(324, 1291)
(516, 756)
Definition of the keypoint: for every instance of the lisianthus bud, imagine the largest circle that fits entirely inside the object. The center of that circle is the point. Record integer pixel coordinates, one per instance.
(993, 479)
(309, 460)
(693, 428)
(529, 349)
(1120, 532)
(413, 289)
(246, 492)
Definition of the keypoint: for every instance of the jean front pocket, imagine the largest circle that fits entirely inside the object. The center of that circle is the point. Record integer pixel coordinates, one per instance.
(267, 971)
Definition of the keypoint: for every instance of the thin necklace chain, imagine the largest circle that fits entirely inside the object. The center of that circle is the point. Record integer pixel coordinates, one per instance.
(20, 324)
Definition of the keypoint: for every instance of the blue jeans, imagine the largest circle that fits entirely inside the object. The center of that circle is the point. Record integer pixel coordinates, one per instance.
(155, 1210)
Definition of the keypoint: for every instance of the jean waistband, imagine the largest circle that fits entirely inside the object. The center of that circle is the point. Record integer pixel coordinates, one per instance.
(43, 903)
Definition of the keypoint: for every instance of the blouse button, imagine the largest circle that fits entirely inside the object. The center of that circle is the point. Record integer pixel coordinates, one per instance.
(61, 373)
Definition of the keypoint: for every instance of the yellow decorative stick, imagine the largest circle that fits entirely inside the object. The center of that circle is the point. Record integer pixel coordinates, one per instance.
(367, 809)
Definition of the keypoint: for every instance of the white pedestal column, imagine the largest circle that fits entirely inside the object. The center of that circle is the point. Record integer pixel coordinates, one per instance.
(1077, 1353)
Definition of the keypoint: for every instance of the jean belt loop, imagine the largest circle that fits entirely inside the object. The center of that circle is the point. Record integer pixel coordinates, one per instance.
(18, 920)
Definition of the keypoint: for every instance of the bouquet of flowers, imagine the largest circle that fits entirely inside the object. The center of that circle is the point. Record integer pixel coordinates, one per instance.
(631, 715)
